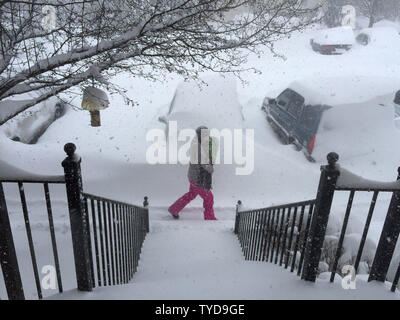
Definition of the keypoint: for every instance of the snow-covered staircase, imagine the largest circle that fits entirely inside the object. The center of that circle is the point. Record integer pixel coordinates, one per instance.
(195, 259)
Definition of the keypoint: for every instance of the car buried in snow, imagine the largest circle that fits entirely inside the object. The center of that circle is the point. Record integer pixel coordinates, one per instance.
(31, 124)
(353, 116)
(294, 121)
(333, 41)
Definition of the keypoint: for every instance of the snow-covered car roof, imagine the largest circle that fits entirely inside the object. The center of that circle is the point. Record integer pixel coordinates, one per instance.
(10, 106)
(214, 104)
(335, 91)
(382, 36)
(28, 124)
(335, 36)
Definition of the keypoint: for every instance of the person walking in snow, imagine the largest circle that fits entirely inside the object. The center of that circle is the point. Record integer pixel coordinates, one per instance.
(202, 152)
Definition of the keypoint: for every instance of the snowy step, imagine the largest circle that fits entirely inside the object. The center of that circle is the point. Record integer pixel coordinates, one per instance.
(195, 259)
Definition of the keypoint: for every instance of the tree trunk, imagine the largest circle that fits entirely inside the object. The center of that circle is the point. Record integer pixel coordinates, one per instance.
(371, 21)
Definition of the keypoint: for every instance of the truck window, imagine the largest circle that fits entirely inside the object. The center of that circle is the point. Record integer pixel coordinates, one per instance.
(291, 102)
(284, 99)
(310, 117)
(296, 106)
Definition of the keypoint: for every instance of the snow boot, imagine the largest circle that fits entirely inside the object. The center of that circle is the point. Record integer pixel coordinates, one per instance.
(175, 216)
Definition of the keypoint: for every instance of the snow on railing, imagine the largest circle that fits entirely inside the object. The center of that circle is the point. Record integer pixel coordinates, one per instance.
(10, 173)
(350, 181)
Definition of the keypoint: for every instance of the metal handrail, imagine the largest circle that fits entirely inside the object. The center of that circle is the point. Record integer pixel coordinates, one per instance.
(56, 180)
(283, 206)
(99, 198)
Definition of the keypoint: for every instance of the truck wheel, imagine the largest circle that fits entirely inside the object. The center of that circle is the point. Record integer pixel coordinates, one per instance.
(285, 139)
(297, 146)
(309, 158)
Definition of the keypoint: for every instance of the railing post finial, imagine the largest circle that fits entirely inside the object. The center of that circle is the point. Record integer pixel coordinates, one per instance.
(333, 158)
(78, 218)
(70, 149)
(237, 217)
(147, 218)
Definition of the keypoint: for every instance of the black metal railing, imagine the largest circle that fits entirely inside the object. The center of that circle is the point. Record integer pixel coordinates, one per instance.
(107, 235)
(353, 184)
(334, 179)
(118, 232)
(352, 193)
(268, 234)
(276, 234)
(11, 273)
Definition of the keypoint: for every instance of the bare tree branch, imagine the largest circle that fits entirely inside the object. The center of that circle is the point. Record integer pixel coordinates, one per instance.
(96, 39)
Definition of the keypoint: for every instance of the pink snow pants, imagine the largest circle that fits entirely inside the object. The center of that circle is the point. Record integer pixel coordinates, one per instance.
(194, 191)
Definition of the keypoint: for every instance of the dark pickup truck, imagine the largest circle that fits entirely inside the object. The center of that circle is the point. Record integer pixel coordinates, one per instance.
(294, 121)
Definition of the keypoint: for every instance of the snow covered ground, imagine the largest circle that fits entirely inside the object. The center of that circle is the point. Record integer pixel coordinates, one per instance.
(185, 259)
(188, 259)
(114, 166)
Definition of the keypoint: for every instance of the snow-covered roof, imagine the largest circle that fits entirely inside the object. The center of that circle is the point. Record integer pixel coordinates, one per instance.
(339, 35)
(94, 99)
(336, 91)
(309, 93)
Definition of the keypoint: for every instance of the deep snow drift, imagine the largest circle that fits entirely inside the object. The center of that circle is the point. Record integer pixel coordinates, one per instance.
(361, 133)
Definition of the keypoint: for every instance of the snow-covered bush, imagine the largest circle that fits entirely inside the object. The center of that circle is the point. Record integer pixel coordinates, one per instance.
(348, 253)
(350, 247)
